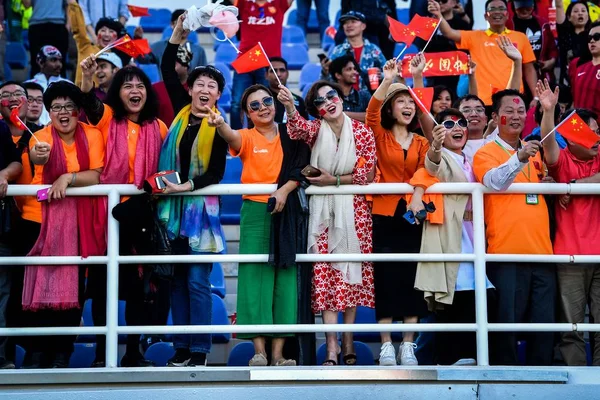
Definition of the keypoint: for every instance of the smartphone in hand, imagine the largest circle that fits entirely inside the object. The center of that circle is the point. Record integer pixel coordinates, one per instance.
(172, 177)
(271, 204)
(42, 194)
(310, 172)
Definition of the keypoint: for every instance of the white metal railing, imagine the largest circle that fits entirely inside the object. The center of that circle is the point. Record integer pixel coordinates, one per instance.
(112, 260)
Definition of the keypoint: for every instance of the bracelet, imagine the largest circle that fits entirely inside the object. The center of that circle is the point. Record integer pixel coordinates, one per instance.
(338, 181)
(437, 150)
(536, 98)
(73, 179)
(191, 183)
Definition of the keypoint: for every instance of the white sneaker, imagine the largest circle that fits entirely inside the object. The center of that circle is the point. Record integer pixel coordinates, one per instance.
(387, 356)
(466, 362)
(407, 354)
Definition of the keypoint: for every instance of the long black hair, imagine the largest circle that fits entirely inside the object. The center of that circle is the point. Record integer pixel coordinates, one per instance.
(113, 99)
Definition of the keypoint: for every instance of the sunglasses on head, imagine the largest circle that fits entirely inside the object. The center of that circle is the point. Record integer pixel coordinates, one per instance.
(595, 37)
(450, 124)
(267, 101)
(319, 101)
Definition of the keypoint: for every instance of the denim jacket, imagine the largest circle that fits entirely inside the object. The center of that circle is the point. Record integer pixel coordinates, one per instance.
(371, 57)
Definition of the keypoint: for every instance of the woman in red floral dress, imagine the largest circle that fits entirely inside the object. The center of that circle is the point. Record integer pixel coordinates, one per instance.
(343, 150)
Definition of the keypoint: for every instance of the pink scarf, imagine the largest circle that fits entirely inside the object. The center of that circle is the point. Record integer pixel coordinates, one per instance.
(63, 233)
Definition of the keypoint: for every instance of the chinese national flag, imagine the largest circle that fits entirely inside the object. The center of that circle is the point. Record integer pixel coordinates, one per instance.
(423, 97)
(127, 46)
(576, 130)
(401, 33)
(251, 60)
(138, 11)
(14, 118)
(424, 27)
(143, 45)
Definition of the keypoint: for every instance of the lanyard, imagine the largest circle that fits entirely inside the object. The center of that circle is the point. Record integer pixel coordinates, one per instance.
(528, 174)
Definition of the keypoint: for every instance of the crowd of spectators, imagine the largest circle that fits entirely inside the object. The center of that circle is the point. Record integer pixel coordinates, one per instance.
(108, 124)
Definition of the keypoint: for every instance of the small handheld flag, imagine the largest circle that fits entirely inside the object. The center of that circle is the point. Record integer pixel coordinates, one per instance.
(16, 121)
(138, 11)
(251, 60)
(423, 97)
(576, 130)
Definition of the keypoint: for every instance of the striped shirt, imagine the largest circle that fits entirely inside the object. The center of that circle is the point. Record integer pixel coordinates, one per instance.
(585, 86)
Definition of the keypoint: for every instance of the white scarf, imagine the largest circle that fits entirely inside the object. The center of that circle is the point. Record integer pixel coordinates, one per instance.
(335, 212)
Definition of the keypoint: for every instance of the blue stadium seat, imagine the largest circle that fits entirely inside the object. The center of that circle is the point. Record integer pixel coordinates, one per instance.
(130, 30)
(231, 204)
(313, 22)
(293, 34)
(366, 315)
(327, 42)
(166, 34)
(158, 19)
(219, 317)
(240, 355)
(222, 40)
(152, 71)
(305, 91)
(8, 75)
(16, 55)
(336, 22)
(403, 15)
(89, 321)
(364, 355)
(19, 356)
(225, 99)
(83, 355)
(225, 54)
(217, 280)
(160, 353)
(296, 56)
(226, 73)
(25, 36)
(309, 74)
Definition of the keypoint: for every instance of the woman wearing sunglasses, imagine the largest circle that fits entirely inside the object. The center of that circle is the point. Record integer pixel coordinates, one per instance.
(448, 287)
(275, 224)
(343, 150)
(400, 152)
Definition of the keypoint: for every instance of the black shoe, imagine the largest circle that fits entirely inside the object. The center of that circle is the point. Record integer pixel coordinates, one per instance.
(6, 364)
(197, 360)
(32, 360)
(61, 360)
(135, 361)
(180, 359)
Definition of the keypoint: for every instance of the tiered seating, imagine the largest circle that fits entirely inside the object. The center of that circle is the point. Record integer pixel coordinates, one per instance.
(225, 54)
(308, 75)
(16, 55)
(313, 22)
(295, 55)
(158, 19)
(294, 35)
(166, 34)
(225, 99)
(217, 280)
(240, 355)
(231, 205)
(222, 40)
(160, 353)
(221, 66)
(83, 355)
(364, 355)
(152, 71)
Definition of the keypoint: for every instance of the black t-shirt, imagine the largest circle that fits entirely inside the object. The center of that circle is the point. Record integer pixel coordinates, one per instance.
(280, 115)
(532, 29)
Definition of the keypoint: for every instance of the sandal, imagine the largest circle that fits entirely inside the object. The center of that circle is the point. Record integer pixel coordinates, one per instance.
(258, 360)
(329, 363)
(282, 362)
(349, 359)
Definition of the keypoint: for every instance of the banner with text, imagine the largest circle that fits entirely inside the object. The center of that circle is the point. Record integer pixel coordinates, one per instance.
(447, 63)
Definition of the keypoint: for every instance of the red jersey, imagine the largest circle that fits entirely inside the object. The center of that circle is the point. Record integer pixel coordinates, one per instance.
(262, 23)
(585, 86)
(577, 228)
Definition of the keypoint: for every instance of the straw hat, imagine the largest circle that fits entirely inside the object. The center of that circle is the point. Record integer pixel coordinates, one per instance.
(393, 90)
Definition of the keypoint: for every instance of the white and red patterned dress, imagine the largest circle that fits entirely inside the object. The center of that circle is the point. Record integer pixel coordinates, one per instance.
(329, 291)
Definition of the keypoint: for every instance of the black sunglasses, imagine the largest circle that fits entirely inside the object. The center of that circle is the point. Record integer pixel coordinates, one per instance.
(450, 124)
(319, 101)
(595, 37)
(267, 101)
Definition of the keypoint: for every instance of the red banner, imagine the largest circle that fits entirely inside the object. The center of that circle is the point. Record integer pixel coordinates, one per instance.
(447, 63)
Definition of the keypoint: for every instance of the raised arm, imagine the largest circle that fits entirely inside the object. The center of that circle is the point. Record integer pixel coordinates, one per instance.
(298, 127)
(560, 11)
(434, 8)
(231, 136)
(548, 101)
(434, 154)
(178, 95)
(93, 107)
(472, 81)
(516, 74)
(417, 66)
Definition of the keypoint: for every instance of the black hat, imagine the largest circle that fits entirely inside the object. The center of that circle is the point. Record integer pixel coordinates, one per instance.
(353, 15)
(110, 23)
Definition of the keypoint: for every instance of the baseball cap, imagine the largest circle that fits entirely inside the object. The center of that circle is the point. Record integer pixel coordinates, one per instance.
(111, 58)
(353, 15)
(523, 4)
(47, 52)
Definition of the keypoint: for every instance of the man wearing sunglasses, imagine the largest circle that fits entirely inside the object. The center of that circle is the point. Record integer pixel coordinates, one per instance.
(585, 77)
(493, 69)
(280, 67)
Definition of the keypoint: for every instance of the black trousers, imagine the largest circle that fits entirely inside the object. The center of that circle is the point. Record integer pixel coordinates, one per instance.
(47, 34)
(525, 293)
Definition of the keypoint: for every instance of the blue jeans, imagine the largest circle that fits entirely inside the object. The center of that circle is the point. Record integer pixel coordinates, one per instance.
(240, 83)
(303, 15)
(191, 302)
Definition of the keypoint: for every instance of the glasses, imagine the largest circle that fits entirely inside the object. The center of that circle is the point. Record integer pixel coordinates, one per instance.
(476, 110)
(56, 108)
(267, 101)
(595, 37)
(497, 9)
(15, 95)
(450, 124)
(35, 100)
(319, 101)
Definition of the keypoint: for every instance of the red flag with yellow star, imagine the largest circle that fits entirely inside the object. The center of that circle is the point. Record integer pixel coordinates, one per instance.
(423, 97)
(424, 27)
(138, 11)
(401, 33)
(251, 60)
(127, 46)
(576, 130)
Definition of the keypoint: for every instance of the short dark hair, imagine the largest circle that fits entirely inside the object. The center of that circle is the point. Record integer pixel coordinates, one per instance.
(113, 98)
(498, 96)
(33, 86)
(387, 117)
(448, 112)
(208, 71)
(438, 90)
(62, 90)
(539, 113)
(565, 95)
(586, 115)
(489, 1)
(175, 14)
(457, 103)
(112, 24)
(6, 83)
(313, 93)
(339, 64)
(244, 101)
(278, 59)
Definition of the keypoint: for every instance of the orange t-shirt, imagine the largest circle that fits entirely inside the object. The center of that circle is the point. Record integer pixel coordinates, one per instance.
(393, 167)
(512, 225)
(32, 209)
(26, 176)
(261, 159)
(132, 135)
(493, 67)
